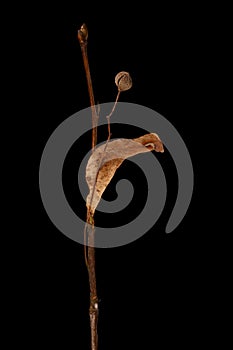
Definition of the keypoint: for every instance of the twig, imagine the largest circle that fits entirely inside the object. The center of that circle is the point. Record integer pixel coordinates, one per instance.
(124, 82)
(82, 37)
(89, 230)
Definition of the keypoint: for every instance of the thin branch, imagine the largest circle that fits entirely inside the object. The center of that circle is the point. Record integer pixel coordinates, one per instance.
(89, 230)
(124, 82)
(82, 37)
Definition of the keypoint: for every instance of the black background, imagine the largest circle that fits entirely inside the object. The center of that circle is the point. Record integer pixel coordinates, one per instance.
(155, 290)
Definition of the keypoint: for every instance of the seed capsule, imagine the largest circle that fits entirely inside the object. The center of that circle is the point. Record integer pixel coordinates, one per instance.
(123, 81)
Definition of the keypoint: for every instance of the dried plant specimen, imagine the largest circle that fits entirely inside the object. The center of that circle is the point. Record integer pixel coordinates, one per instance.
(101, 167)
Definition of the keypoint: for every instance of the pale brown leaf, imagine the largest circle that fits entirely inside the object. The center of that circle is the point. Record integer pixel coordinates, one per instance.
(105, 160)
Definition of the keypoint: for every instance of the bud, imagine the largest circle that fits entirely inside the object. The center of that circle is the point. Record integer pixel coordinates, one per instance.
(123, 81)
(83, 34)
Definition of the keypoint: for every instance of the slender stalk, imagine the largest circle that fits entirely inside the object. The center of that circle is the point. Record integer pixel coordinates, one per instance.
(109, 116)
(89, 231)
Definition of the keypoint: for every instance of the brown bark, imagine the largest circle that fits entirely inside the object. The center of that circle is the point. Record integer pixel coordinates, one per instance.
(90, 228)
